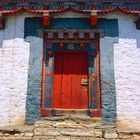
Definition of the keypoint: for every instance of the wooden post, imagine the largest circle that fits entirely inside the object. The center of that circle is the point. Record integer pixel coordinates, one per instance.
(46, 18)
(93, 18)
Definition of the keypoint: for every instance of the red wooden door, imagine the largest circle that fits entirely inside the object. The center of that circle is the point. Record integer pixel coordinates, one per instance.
(70, 68)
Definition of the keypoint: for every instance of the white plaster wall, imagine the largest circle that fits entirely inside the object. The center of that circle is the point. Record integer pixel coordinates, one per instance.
(14, 57)
(127, 71)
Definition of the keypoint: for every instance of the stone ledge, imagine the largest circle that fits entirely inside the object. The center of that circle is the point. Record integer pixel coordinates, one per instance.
(72, 117)
(17, 129)
(68, 128)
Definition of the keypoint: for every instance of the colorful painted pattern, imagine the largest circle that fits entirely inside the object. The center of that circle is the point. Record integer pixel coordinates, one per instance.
(63, 5)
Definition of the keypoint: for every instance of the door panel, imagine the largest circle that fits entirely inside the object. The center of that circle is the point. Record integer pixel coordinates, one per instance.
(57, 87)
(69, 69)
(66, 81)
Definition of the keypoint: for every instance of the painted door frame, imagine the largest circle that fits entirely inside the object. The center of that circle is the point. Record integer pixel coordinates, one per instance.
(96, 112)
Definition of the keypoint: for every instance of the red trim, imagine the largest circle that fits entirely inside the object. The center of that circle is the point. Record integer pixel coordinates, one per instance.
(107, 11)
(99, 71)
(93, 20)
(18, 11)
(46, 21)
(43, 85)
(45, 112)
(95, 113)
(119, 10)
(69, 9)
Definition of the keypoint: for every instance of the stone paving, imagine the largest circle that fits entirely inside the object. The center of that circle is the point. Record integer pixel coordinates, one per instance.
(68, 128)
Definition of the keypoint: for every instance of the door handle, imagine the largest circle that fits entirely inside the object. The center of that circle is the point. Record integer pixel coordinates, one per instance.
(84, 82)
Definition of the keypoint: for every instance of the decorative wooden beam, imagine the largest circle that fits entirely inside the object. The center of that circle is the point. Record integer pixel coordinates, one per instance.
(93, 18)
(72, 34)
(46, 18)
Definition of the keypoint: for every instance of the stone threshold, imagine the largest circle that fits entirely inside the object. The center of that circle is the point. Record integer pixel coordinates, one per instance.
(71, 127)
(72, 117)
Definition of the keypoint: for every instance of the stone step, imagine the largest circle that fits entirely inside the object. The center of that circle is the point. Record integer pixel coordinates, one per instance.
(79, 122)
(68, 128)
(73, 117)
(71, 126)
(65, 112)
(16, 138)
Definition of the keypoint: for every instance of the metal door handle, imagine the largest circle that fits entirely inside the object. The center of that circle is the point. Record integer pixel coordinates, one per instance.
(84, 82)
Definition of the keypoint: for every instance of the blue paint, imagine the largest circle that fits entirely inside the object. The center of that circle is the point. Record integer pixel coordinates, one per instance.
(33, 27)
(34, 80)
(70, 23)
(49, 81)
(109, 109)
(110, 26)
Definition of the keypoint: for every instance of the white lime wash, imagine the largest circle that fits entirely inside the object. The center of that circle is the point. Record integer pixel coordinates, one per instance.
(14, 59)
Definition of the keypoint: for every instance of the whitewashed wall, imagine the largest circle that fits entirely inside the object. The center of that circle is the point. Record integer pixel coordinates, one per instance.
(14, 57)
(127, 72)
(127, 69)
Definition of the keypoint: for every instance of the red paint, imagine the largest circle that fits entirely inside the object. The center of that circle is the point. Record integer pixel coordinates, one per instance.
(93, 20)
(48, 73)
(50, 53)
(95, 113)
(81, 45)
(69, 69)
(46, 21)
(45, 112)
(61, 45)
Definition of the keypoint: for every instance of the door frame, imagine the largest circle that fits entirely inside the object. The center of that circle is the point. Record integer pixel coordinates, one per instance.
(96, 112)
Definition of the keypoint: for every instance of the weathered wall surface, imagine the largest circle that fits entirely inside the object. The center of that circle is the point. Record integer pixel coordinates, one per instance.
(14, 56)
(34, 80)
(33, 34)
(127, 72)
(123, 53)
(109, 110)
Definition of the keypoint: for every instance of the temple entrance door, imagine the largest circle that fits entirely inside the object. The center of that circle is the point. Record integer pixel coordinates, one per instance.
(70, 87)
